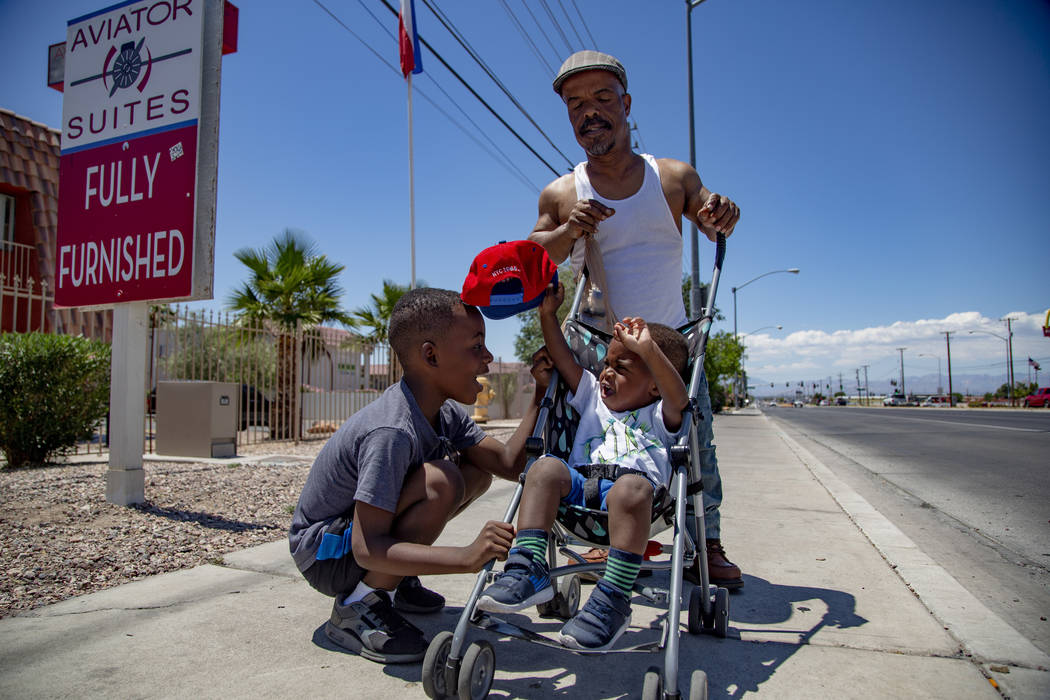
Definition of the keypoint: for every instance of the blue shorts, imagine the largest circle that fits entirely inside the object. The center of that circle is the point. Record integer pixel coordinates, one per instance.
(575, 497)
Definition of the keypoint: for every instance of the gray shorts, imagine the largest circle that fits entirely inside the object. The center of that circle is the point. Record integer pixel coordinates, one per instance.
(338, 576)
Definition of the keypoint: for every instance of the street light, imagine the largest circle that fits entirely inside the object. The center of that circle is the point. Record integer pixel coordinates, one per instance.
(743, 384)
(744, 335)
(940, 389)
(792, 270)
(1009, 355)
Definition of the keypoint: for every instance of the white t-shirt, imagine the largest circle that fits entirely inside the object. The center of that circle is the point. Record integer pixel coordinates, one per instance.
(641, 250)
(632, 439)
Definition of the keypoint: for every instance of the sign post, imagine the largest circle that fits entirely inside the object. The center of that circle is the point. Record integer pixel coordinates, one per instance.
(136, 214)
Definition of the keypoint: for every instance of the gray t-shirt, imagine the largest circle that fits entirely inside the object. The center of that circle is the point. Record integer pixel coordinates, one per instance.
(367, 460)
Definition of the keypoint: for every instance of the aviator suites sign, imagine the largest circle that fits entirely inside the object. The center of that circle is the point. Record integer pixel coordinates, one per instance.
(128, 172)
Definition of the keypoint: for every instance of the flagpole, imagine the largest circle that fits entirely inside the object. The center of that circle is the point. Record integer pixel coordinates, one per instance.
(411, 184)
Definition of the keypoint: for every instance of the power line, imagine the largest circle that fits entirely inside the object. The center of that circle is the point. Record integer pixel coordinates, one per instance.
(478, 97)
(542, 30)
(557, 25)
(594, 42)
(506, 162)
(528, 39)
(458, 36)
(565, 12)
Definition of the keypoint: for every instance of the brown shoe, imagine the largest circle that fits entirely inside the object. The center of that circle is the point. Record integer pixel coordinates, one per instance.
(597, 555)
(722, 572)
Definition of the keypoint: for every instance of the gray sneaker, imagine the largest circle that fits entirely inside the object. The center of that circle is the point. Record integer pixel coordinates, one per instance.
(372, 628)
(601, 621)
(525, 582)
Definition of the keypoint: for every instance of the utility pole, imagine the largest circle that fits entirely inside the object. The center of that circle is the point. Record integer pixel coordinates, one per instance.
(901, 351)
(948, 341)
(867, 392)
(840, 382)
(857, 371)
(1010, 354)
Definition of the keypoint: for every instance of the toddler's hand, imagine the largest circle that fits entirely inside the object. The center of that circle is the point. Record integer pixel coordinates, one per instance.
(633, 333)
(553, 297)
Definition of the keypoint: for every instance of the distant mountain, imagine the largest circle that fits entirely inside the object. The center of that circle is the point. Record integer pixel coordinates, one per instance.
(976, 384)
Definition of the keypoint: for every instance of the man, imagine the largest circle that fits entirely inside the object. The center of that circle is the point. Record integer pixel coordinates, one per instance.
(632, 205)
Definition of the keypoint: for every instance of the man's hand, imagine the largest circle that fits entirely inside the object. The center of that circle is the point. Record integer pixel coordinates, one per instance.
(585, 216)
(718, 215)
(552, 299)
(493, 542)
(634, 335)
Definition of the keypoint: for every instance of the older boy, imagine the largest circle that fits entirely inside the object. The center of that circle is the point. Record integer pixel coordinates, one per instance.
(629, 415)
(383, 488)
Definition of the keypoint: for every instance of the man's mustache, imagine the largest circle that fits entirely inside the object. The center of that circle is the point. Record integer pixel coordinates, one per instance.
(594, 121)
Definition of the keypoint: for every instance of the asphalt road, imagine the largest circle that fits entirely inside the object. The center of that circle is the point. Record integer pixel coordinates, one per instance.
(971, 487)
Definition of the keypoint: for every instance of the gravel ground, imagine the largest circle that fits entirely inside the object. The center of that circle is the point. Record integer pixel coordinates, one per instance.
(59, 538)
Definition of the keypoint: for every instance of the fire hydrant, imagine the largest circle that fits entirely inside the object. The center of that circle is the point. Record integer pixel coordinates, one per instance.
(481, 409)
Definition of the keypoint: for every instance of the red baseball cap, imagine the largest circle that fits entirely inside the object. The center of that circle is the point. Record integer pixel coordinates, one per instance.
(508, 278)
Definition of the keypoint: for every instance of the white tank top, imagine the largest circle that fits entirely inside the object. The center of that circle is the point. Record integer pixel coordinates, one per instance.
(641, 250)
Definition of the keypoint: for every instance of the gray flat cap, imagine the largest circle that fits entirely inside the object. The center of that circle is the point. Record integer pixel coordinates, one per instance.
(589, 60)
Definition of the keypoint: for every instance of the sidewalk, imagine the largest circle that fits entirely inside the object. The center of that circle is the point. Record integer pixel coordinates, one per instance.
(824, 614)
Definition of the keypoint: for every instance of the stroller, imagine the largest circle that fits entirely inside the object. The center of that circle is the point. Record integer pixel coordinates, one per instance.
(454, 669)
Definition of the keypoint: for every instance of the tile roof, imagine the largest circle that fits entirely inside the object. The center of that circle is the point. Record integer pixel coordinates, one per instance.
(29, 159)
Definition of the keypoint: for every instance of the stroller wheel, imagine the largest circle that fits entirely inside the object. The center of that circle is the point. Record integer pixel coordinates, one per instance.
(434, 682)
(477, 672)
(698, 685)
(721, 611)
(569, 588)
(652, 685)
(566, 600)
(696, 611)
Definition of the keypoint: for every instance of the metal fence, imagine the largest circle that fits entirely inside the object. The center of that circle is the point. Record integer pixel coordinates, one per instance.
(295, 384)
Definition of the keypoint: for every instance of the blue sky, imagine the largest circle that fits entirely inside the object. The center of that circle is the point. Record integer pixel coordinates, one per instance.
(895, 151)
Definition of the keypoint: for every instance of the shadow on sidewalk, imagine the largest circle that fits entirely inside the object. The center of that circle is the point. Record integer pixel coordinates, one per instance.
(733, 667)
(209, 520)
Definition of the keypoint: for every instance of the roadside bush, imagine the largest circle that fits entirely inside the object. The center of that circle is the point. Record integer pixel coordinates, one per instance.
(53, 390)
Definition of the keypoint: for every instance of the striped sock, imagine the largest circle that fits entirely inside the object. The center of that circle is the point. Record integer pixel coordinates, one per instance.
(622, 569)
(533, 540)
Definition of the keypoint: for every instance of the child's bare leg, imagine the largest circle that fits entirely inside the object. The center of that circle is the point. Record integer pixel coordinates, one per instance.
(547, 482)
(430, 496)
(630, 504)
(476, 483)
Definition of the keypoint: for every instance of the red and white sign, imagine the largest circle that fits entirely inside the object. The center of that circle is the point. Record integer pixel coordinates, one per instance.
(128, 175)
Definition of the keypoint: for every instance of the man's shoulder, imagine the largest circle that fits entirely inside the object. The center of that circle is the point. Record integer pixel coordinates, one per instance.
(561, 187)
(672, 167)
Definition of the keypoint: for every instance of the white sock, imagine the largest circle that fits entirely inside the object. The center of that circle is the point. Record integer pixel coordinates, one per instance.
(358, 593)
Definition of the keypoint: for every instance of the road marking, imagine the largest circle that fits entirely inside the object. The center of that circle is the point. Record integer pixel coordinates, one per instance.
(969, 425)
(980, 631)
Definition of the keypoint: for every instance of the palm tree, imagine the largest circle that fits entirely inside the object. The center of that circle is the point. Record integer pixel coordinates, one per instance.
(292, 285)
(376, 320)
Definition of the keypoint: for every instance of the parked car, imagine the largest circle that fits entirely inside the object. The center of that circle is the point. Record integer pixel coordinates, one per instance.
(1041, 398)
(771, 404)
(894, 400)
(841, 401)
(797, 403)
(936, 401)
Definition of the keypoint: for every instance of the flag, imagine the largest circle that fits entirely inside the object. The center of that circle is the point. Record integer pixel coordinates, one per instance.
(408, 39)
(1034, 364)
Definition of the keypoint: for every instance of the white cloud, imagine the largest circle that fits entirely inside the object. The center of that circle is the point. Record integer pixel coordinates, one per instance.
(815, 354)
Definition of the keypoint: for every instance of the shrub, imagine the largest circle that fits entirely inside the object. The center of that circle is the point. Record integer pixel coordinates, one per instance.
(53, 390)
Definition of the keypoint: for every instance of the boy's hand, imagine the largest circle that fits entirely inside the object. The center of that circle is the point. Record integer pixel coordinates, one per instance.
(552, 299)
(634, 335)
(542, 366)
(493, 542)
